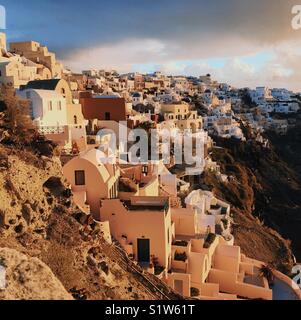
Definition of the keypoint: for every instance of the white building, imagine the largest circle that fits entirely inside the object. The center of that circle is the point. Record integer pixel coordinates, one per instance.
(48, 108)
(137, 99)
(261, 94)
(60, 122)
(286, 107)
(281, 94)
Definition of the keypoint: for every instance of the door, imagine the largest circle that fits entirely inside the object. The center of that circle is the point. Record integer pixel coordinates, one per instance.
(178, 286)
(143, 251)
(80, 178)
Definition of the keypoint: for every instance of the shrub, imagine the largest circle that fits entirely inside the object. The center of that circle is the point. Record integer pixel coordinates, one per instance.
(225, 223)
(266, 271)
(17, 119)
(43, 147)
(194, 292)
(61, 261)
(158, 270)
(181, 256)
(180, 243)
(209, 240)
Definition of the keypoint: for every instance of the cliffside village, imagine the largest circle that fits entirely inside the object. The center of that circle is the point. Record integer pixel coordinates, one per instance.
(153, 211)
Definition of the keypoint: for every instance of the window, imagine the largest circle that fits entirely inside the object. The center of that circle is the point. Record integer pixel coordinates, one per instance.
(168, 237)
(178, 286)
(145, 170)
(80, 179)
(50, 105)
(59, 105)
(107, 116)
(75, 119)
(113, 191)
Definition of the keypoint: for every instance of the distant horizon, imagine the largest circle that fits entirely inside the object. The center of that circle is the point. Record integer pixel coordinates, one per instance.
(152, 71)
(245, 44)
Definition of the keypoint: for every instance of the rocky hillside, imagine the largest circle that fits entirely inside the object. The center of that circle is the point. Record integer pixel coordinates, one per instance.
(29, 278)
(262, 188)
(45, 241)
(285, 212)
(38, 221)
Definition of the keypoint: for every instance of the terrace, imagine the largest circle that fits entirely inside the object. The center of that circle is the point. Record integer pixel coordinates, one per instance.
(155, 204)
(181, 238)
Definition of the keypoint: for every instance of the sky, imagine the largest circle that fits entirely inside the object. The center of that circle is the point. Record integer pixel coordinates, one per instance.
(241, 42)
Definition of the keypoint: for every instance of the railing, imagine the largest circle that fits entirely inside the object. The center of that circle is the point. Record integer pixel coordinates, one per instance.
(154, 286)
(51, 129)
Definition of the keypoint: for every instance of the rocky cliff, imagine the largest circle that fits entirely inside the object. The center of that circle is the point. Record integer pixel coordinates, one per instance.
(29, 278)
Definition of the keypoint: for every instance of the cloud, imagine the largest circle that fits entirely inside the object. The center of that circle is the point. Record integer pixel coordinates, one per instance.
(277, 66)
(178, 36)
(103, 22)
(122, 55)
